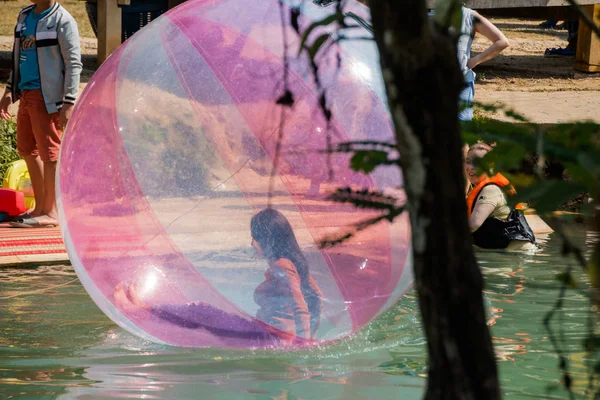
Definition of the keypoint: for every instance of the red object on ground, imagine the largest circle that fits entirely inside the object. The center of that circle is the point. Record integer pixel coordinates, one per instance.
(12, 202)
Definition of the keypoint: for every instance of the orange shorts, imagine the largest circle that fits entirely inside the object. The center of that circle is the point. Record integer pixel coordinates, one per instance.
(38, 133)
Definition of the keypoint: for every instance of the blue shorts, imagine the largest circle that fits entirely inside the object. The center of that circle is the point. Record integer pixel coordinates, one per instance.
(466, 102)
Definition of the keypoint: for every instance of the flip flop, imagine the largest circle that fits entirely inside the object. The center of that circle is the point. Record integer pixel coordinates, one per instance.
(20, 216)
(547, 25)
(29, 222)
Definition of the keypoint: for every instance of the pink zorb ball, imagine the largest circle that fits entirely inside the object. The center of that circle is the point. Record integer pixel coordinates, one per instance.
(173, 149)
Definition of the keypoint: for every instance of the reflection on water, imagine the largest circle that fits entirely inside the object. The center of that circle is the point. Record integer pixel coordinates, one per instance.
(55, 343)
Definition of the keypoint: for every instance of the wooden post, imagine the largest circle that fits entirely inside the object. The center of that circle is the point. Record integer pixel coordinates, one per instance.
(109, 28)
(588, 43)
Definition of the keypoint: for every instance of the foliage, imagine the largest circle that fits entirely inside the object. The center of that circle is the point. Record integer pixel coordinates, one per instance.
(575, 145)
(181, 168)
(448, 14)
(8, 145)
(387, 206)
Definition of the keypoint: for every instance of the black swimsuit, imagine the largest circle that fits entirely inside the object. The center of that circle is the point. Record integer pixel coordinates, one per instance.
(496, 233)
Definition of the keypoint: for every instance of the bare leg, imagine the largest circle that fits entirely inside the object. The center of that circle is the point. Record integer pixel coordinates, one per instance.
(49, 212)
(36, 173)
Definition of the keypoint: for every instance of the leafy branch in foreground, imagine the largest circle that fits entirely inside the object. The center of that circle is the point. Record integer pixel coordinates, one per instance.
(558, 345)
(576, 146)
(368, 154)
(387, 205)
(8, 145)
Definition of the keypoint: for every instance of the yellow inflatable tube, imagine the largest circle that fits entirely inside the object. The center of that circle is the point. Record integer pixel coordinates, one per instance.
(17, 178)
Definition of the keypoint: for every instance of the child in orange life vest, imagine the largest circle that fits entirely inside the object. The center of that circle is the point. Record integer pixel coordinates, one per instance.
(493, 223)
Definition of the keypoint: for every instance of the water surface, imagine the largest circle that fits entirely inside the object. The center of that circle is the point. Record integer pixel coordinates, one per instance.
(55, 343)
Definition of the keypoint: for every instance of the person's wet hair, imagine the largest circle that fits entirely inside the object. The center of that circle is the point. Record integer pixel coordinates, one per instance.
(275, 235)
(479, 149)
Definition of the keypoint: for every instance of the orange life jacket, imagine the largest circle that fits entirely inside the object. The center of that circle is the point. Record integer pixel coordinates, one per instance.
(497, 179)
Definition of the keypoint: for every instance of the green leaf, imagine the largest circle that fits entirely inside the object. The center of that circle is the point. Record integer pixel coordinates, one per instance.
(361, 22)
(367, 160)
(468, 136)
(294, 17)
(548, 195)
(579, 135)
(448, 14)
(503, 133)
(516, 116)
(568, 142)
(587, 210)
(488, 106)
(591, 343)
(324, 22)
(552, 387)
(506, 156)
(582, 175)
(356, 145)
(590, 163)
(567, 278)
(314, 48)
(8, 145)
(286, 99)
(365, 198)
(520, 180)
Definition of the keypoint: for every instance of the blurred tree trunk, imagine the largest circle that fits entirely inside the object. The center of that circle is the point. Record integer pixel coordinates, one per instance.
(423, 81)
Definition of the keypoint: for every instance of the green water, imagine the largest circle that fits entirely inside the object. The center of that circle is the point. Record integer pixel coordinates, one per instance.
(55, 343)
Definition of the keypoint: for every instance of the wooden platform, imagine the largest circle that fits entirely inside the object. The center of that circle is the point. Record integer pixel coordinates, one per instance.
(32, 246)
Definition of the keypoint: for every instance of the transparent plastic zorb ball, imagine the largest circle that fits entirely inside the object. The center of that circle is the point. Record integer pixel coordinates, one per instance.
(168, 157)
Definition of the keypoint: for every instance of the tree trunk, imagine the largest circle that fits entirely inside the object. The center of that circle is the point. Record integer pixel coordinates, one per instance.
(423, 81)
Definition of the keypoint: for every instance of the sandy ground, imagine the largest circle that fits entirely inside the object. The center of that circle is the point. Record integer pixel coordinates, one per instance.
(546, 90)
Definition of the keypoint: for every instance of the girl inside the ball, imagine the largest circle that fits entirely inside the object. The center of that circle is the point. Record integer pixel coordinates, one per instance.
(289, 299)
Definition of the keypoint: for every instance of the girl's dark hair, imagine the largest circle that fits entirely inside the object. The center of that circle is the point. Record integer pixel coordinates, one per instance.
(275, 235)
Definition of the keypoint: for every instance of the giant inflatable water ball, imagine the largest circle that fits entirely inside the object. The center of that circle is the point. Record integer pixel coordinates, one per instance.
(179, 140)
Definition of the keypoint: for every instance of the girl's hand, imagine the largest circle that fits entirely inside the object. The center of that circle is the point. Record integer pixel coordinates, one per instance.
(4, 104)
